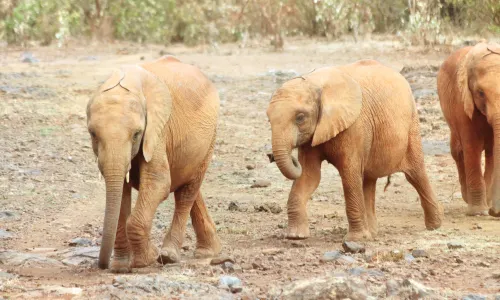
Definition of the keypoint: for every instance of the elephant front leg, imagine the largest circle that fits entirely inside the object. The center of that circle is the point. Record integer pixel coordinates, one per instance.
(302, 189)
(355, 207)
(154, 188)
(476, 188)
(184, 199)
(121, 253)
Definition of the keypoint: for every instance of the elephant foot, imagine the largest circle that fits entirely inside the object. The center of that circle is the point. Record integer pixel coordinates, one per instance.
(358, 236)
(298, 232)
(433, 220)
(121, 265)
(210, 250)
(145, 259)
(477, 210)
(492, 213)
(169, 255)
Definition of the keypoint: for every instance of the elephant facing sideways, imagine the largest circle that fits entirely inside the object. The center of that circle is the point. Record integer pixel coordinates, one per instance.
(469, 92)
(153, 129)
(362, 119)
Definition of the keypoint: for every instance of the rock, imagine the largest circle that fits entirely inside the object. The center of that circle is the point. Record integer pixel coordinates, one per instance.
(6, 276)
(331, 256)
(231, 282)
(392, 287)
(419, 253)
(358, 271)
(495, 275)
(268, 207)
(344, 259)
(455, 245)
(328, 287)
(272, 251)
(417, 289)
(250, 167)
(409, 258)
(61, 291)
(233, 206)
(353, 247)
(27, 57)
(5, 235)
(81, 256)
(484, 264)
(13, 258)
(474, 297)
(9, 215)
(261, 183)
(80, 242)
(220, 260)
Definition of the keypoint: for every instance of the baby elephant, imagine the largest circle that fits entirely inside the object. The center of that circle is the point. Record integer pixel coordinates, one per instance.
(153, 128)
(362, 119)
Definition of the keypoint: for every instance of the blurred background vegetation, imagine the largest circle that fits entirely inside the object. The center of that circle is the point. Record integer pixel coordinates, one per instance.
(417, 22)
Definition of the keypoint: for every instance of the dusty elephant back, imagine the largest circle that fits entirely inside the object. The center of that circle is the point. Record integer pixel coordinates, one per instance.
(193, 122)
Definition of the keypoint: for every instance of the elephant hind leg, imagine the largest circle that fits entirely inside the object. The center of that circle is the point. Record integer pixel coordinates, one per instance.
(184, 200)
(458, 155)
(414, 170)
(207, 241)
(369, 186)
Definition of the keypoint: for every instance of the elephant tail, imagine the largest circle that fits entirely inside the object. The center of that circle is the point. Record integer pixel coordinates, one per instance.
(388, 183)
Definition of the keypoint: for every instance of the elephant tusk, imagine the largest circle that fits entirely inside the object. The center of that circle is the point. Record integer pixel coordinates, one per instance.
(128, 177)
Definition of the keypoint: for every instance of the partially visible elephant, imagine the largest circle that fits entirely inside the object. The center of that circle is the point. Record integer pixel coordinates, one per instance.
(362, 119)
(153, 128)
(469, 92)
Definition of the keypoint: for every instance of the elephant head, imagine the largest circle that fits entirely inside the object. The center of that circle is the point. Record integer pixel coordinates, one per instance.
(311, 109)
(129, 110)
(478, 78)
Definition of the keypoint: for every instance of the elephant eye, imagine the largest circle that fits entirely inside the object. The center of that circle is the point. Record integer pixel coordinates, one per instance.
(299, 119)
(92, 134)
(481, 93)
(137, 134)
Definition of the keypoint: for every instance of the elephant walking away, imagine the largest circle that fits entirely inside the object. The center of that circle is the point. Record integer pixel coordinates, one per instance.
(153, 128)
(362, 119)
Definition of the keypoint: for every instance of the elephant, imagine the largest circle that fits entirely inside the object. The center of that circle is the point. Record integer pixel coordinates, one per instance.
(469, 95)
(153, 128)
(362, 119)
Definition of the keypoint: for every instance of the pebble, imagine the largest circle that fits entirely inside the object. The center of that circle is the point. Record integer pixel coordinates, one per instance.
(14, 258)
(409, 258)
(250, 167)
(9, 215)
(392, 287)
(233, 206)
(231, 282)
(268, 207)
(418, 290)
(331, 256)
(261, 183)
(353, 247)
(272, 251)
(419, 253)
(484, 264)
(80, 242)
(5, 235)
(474, 297)
(455, 245)
(221, 259)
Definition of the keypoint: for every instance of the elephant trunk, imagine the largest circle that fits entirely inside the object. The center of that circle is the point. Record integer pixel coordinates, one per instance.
(114, 177)
(495, 188)
(282, 152)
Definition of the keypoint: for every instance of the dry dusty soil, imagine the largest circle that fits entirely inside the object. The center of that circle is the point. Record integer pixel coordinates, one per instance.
(51, 193)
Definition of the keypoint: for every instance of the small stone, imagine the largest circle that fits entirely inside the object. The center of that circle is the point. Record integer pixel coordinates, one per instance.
(353, 247)
(5, 275)
(27, 57)
(231, 282)
(356, 271)
(80, 242)
(484, 264)
(250, 167)
(392, 287)
(409, 258)
(419, 253)
(272, 251)
(228, 267)
(5, 235)
(268, 207)
(331, 256)
(474, 297)
(261, 183)
(8, 215)
(495, 275)
(459, 260)
(418, 290)
(297, 244)
(455, 245)
(221, 259)
(344, 259)
(233, 206)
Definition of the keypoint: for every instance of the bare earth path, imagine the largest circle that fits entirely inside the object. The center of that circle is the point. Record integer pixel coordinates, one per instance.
(50, 192)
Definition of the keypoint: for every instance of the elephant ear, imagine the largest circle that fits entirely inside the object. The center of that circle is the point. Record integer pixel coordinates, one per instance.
(463, 82)
(341, 100)
(112, 81)
(157, 101)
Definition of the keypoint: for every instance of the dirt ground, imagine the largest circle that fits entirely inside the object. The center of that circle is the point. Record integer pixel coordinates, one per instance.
(50, 192)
